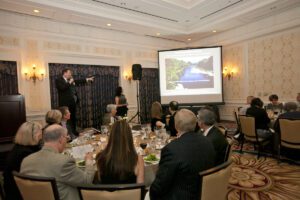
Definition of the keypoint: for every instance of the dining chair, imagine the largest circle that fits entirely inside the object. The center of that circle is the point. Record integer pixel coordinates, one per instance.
(289, 134)
(112, 192)
(223, 130)
(228, 152)
(36, 187)
(214, 182)
(250, 134)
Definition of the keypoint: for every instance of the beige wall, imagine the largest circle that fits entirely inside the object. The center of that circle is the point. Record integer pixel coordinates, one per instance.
(265, 65)
(31, 40)
(266, 55)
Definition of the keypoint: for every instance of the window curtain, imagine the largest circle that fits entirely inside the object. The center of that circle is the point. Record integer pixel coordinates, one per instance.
(8, 78)
(149, 92)
(93, 97)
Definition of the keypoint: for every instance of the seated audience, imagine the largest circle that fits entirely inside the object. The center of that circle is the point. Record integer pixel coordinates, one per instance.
(119, 163)
(298, 101)
(290, 113)
(50, 162)
(26, 142)
(110, 116)
(157, 119)
(261, 117)
(53, 117)
(173, 107)
(275, 106)
(65, 120)
(182, 160)
(243, 109)
(206, 121)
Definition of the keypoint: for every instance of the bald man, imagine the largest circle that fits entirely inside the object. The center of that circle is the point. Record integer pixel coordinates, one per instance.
(181, 161)
(50, 162)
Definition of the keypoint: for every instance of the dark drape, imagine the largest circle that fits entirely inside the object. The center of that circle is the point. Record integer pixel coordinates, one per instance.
(8, 78)
(149, 92)
(93, 97)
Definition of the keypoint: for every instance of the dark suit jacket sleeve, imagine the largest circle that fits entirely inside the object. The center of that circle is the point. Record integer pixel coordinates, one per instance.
(164, 176)
(80, 81)
(61, 84)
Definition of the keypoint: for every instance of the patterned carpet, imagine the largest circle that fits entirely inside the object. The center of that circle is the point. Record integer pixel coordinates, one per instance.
(263, 179)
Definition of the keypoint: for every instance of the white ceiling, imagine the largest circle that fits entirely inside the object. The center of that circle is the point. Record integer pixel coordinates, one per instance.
(173, 19)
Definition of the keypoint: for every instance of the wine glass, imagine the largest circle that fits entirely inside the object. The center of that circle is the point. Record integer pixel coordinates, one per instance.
(143, 145)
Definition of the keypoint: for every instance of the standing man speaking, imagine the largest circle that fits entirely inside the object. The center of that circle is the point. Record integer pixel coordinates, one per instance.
(67, 95)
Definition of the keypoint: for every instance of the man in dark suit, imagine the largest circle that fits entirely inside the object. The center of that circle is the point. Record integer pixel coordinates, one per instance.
(173, 107)
(182, 160)
(206, 121)
(67, 95)
(291, 113)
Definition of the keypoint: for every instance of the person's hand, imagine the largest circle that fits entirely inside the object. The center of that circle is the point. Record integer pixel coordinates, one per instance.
(71, 81)
(90, 79)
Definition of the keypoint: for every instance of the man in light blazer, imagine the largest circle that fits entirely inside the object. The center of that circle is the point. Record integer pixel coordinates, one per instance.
(206, 122)
(182, 160)
(50, 162)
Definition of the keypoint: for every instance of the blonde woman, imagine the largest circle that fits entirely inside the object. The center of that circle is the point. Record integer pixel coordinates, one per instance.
(157, 118)
(26, 142)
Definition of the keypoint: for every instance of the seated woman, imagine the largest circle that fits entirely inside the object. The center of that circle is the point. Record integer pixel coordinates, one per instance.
(275, 106)
(26, 142)
(53, 117)
(65, 120)
(261, 117)
(110, 115)
(157, 119)
(112, 166)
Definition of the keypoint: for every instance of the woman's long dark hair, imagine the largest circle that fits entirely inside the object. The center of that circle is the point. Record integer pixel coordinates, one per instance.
(119, 91)
(119, 158)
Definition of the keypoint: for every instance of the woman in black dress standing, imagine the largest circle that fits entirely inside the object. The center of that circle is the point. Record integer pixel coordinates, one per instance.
(121, 102)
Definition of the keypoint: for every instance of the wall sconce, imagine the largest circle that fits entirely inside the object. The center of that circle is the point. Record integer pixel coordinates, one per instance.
(229, 72)
(128, 76)
(33, 75)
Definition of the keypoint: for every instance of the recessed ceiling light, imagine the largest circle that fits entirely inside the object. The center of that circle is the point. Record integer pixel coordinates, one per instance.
(214, 31)
(158, 34)
(189, 39)
(36, 11)
(108, 24)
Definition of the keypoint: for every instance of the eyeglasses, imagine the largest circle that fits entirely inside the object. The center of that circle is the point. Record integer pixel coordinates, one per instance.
(67, 137)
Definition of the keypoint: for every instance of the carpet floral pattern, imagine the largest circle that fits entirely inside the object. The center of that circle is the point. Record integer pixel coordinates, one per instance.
(263, 179)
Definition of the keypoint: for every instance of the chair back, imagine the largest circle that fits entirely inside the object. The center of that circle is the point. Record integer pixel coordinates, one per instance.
(228, 152)
(248, 126)
(113, 192)
(36, 188)
(290, 133)
(215, 182)
(222, 129)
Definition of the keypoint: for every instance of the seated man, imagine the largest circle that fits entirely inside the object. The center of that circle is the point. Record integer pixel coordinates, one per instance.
(110, 115)
(243, 109)
(65, 120)
(182, 160)
(206, 121)
(50, 162)
(291, 113)
(275, 105)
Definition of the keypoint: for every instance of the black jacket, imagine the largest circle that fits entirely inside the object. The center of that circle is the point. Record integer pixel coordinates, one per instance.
(66, 91)
(219, 142)
(261, 117)
(181, 161)
(13, 163)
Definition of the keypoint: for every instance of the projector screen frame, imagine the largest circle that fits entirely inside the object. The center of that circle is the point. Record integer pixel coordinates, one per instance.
(191, 48)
